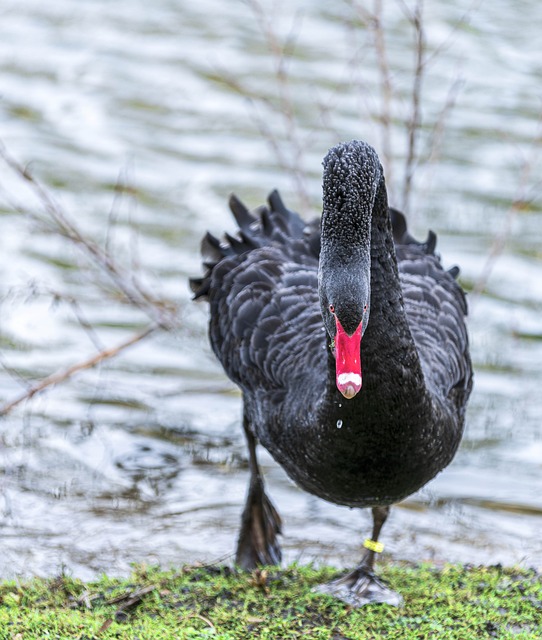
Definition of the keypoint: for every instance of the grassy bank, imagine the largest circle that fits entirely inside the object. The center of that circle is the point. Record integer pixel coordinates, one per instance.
(453, 602)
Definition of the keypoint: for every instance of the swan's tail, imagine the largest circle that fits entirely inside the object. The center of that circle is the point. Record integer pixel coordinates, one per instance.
(268, 224)
(402, 236)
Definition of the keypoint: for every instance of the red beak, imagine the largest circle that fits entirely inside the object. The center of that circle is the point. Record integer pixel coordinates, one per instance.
(348, 361)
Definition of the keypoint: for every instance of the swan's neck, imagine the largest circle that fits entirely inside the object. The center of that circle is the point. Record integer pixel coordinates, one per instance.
(390, 362)
(388, 315)
(358, 277)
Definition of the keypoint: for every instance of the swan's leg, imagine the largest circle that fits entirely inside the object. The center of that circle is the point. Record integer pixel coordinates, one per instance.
(260, 523)
(360, 586)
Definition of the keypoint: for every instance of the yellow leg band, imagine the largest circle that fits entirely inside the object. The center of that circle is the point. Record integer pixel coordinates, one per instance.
(377, 547)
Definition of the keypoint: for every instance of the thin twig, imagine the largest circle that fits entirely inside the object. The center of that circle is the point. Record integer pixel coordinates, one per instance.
(292, 160)
(79, 315)
(204, 619)
(281, 55)
(437, 131)
(120, 189)
(374, 23)
(416, 18)
(128, 286)
(497, 248)
(64, 374)
(520, 203)
(449, 41)
(130, 598)
(434, 144)
(386, 90)
(14, 374)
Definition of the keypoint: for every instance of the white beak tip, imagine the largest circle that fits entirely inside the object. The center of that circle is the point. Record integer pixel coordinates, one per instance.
(349, 384)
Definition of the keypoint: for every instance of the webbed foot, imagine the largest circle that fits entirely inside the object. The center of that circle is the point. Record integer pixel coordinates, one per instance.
(360, 587)
(260, 525)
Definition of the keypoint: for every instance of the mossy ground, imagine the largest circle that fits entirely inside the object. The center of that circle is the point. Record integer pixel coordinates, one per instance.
(453, 602)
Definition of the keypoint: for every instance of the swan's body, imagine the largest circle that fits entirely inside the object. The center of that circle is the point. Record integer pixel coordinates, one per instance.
(282, 291)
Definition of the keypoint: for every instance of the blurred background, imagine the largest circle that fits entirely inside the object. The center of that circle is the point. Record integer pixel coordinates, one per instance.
(124, 126)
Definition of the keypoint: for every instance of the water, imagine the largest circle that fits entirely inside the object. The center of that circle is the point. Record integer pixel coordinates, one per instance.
(140, 121)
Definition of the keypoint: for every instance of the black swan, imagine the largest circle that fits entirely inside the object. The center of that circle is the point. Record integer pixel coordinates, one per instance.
(295, 310)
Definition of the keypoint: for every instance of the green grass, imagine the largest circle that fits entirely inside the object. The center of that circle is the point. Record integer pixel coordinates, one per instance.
(454, 602)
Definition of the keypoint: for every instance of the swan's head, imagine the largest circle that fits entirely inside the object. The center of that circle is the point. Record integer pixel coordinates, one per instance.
(352, 178)
(346, 310)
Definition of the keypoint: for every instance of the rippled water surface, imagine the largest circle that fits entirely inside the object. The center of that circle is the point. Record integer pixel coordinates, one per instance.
(139, 119)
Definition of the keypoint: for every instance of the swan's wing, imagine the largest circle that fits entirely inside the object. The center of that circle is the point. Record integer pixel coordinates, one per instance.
(436, 309)
(271, 225)
(262, 286)
(265, 325)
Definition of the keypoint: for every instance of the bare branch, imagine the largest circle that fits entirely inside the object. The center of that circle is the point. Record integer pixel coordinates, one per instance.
(416, 18)
(375, 24)
(450, 38)
(121, 188)
(64, 374)
(432, 154)
(281, 53)
(290, 156)
(13, 373)
(386, 90)
(520, 203)
(160, 311)
(163, 313)
(437, 132)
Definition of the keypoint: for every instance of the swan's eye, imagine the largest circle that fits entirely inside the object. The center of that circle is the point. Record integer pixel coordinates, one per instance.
(365, 308)
(331, 308)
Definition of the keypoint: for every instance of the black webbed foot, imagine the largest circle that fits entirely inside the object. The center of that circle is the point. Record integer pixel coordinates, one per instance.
(360, 587)
(260, 525)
